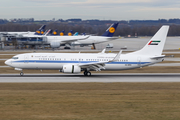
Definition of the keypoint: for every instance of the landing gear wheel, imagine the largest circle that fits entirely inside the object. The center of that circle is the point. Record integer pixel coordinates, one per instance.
(87, 73)
(21, 73)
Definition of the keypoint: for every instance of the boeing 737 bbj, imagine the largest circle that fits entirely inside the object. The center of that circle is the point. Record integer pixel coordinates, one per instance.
(72, 63)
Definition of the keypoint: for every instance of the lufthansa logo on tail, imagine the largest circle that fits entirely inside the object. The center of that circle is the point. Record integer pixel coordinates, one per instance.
(112, 30)
(61, 34)
(42, 32)
(38, 32)
(55, 33)
(69, 34)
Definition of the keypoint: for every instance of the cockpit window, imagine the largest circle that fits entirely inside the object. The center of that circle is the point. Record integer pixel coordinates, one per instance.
(14, 58)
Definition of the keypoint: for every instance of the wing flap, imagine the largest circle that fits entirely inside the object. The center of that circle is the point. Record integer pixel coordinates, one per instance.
(99, 65)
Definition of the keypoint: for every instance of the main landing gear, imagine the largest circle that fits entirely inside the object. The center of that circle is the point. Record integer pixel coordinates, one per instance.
(87, 73)
(21, 73)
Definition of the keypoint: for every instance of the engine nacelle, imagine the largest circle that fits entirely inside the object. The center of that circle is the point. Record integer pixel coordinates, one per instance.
(71, 69)
(55, 44)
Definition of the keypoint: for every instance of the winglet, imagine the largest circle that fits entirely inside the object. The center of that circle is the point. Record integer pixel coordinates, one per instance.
(116, 58)
(103, 51)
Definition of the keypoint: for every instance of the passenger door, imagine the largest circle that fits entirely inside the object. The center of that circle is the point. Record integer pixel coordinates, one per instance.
(26, 59)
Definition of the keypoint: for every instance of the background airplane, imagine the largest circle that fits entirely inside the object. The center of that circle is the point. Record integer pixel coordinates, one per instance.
(40, 31)
(150, 54)
(92, 40)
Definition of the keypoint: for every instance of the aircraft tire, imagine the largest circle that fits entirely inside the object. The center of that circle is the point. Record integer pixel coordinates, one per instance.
(21, 73)
(88, 73)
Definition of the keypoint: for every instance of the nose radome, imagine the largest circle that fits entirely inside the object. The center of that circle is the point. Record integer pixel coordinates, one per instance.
(7, 62)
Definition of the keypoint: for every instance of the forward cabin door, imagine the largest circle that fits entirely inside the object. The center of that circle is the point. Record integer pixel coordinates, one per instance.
(139, 61)
(26, 59)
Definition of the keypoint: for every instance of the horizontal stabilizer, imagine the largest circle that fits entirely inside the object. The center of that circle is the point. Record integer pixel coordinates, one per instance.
(157, 57)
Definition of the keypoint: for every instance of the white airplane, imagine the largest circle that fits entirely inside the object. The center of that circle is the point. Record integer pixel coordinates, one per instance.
(40, 31)
(57, 41)
(92, 40)
(54, 41)
(72, 63)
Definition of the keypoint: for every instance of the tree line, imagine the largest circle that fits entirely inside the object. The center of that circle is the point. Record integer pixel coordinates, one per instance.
(122, 30)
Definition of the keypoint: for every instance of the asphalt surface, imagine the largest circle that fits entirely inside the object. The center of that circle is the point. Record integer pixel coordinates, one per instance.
(79, 78)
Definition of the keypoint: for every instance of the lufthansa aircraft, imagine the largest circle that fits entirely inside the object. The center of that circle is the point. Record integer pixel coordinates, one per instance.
(92, 40)
(40, 31)
(150, 54)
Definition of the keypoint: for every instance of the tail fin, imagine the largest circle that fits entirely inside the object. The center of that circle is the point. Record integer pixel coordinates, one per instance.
(48, 32)
(70, 33)
(76, 34)
(155, 46)
(41, 30)
(54, 32)
(84, 34)
(62, 33)
(111, 30)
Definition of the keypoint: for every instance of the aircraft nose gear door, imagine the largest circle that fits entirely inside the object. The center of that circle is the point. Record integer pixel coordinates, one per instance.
(26, 59)
(139, 61)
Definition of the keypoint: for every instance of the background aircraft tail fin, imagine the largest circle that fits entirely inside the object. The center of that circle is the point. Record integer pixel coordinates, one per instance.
(155, 46)
(76, 34)
(41, 30)
(54, 32)
(70, 33)
(48, 32)
(62, 33)
(111, 30)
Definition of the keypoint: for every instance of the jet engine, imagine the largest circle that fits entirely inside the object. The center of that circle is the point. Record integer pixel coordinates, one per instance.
(71, 69)
(55, 44)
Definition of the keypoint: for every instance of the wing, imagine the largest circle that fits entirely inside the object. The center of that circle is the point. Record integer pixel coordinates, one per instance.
(112, 38)
(76, 38)
(97, 66)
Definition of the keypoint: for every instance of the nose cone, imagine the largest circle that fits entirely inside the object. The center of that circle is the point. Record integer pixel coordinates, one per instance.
(7, 62)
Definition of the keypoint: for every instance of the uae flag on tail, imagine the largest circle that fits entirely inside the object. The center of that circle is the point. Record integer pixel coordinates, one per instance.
(154, 42)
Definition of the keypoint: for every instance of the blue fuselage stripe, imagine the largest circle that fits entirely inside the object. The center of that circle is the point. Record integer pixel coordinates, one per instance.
(50, 61)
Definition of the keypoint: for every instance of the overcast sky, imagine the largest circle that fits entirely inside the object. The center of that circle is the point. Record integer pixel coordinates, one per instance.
(90, 9)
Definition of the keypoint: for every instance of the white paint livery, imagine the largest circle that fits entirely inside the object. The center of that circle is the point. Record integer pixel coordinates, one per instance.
(77, 62)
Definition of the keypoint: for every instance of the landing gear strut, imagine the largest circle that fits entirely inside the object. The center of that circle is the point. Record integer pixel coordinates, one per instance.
(21, 73)
(87, 73)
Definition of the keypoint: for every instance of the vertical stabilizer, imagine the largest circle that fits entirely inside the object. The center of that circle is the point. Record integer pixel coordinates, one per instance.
(70, 33)
(62, 33)
(111, 30)
(41, 30)
(155, 46)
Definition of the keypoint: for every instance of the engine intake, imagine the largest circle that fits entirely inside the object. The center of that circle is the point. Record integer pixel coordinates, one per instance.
(71, 69)
(55, 44)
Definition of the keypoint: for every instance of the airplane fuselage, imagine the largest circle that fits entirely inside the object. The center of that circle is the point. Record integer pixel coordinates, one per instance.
(58, 60)
(94, 39)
